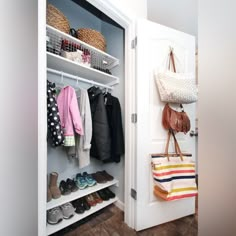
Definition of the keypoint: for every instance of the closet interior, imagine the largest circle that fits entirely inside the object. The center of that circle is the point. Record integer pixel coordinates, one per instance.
(97, 70)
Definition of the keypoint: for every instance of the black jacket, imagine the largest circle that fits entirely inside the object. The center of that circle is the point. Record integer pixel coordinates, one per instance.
(101, 140)
(115, 125)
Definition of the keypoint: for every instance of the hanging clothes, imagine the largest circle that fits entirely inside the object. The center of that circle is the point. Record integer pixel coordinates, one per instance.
(101, 140)
(69, 115)
(55, 132)
(113, 110)
(83, 143)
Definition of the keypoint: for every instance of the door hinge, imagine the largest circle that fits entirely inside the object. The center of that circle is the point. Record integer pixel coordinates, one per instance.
(134, 118)
(134, 42)
(133, 194)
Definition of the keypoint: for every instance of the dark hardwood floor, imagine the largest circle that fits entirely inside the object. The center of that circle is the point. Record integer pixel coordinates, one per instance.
(109, 222)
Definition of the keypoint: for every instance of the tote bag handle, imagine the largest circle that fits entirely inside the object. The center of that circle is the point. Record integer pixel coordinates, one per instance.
(177, 148)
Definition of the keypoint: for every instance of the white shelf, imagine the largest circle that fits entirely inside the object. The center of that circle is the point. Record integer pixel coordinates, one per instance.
(97, 56)
(59, 63)
(66, 222)
(78, 194)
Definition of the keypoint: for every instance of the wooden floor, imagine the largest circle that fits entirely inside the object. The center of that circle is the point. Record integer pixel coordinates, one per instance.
(109, 222)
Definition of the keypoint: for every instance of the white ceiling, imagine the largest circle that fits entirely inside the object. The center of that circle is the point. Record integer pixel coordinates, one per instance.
(177, 14)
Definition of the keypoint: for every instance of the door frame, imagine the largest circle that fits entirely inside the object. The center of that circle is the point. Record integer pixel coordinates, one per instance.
(128, 23)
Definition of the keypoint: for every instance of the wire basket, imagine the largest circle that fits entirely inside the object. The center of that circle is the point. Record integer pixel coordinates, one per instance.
(69, 47)
(57, 19)
(92, 37)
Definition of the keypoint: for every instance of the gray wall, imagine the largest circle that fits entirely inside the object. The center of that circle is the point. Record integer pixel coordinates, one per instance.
(57, 157)
(181, 15)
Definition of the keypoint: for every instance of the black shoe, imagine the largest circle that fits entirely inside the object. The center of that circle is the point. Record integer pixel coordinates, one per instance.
(109, 193)
(78, 206)
(71, 185)
(64, 188)
(85, 204)
(103, 195)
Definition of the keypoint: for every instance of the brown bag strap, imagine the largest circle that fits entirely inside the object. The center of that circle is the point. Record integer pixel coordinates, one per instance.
(177, 148)
(172, 61)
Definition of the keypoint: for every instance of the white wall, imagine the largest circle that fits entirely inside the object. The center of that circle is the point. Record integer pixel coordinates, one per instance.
(137, 8)
(180, 15)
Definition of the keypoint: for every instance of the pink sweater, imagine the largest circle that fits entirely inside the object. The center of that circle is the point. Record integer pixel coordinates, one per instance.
(69, 112)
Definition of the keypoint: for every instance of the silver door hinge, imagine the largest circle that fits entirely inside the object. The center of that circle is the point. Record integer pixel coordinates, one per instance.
(134, 42)
(133, 194)
(134, 118)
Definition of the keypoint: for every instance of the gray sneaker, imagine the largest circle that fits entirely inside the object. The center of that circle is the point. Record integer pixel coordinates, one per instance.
(54, 216)
(68, 210)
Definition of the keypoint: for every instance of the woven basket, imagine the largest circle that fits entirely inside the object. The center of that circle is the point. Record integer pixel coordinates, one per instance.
(92, 37)
(57, 19)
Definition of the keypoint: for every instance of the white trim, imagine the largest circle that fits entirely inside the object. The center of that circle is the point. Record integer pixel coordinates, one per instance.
(127, 23)
(42, 120)
(120, 205)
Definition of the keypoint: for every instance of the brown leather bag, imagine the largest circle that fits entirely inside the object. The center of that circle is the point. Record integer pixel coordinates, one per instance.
(175, 120)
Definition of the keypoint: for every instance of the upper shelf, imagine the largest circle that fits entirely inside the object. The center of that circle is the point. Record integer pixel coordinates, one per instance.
(98, 57)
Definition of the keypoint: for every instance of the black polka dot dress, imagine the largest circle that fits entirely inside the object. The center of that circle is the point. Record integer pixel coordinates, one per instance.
(55, 132)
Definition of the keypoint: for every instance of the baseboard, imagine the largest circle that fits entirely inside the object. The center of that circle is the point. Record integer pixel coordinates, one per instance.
(120, 205)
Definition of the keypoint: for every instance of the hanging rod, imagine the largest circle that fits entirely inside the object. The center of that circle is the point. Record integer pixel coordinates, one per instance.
(77, 78)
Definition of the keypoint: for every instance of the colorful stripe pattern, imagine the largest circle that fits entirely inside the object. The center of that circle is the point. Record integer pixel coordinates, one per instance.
(174, 179)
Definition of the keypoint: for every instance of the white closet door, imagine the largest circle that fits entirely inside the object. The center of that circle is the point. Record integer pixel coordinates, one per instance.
(153, 41)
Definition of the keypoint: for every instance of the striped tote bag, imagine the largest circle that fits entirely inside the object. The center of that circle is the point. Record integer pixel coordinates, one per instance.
(173, 174)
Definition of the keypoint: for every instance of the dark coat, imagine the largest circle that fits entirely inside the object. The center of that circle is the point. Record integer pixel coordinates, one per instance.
(101, 140)
(116, 131)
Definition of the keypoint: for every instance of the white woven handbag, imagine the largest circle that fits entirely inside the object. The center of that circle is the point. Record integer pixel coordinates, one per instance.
(176, 87)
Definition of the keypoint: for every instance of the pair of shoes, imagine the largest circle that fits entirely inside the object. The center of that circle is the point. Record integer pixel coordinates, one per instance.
(93, 199)
(68, 186)
(85, 180)
(106, 194)
(56, 215)
(81, 205)
(102, 177)
(53, 190)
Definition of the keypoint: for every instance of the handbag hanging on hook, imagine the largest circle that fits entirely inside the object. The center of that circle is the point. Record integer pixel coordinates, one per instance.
(173, 173)
(176, 87)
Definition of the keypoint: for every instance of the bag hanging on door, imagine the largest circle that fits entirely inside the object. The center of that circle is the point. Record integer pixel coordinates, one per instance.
(176, 87)
(173, 174)
(175, 120)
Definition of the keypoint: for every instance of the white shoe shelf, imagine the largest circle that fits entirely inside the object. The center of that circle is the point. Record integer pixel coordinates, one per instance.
(66, 222)
(79, 193)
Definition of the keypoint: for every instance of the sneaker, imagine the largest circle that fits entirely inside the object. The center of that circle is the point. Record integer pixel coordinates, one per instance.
(64, 188)
(71, 185)
(109, 193)
(97, 198)
(54, 216)
(106, 175)
(99, 178)
(79, 209)
(103, 195)
(68, 210)
(90, 200)
(81, 181)
(90, 180)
